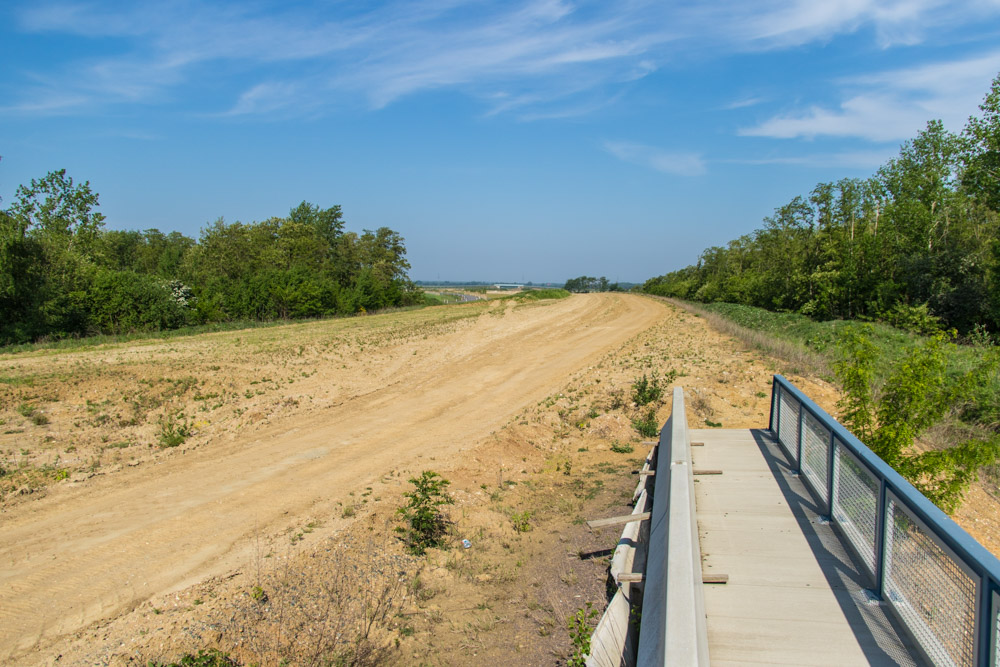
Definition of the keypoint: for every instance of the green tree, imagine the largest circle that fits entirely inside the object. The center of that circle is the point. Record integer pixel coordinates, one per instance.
(918, 393)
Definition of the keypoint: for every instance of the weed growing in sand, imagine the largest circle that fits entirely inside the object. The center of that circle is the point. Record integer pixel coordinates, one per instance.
(521, 521)
(622, 447)
(173, 431)
(646, 425)
(426, 524)
(209, 658)
(646, 390)
(579, 634)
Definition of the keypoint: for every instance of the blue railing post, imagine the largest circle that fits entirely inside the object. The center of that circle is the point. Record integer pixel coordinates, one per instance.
(798, 456)
(985, 625)
(882, 523)
(831, 461)
(775, 415)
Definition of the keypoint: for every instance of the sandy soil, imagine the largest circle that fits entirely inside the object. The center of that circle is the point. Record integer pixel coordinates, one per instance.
(90, 552)
(306, 447)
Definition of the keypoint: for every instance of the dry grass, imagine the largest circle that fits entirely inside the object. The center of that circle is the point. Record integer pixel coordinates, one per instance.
(336, 605)
(792, 357)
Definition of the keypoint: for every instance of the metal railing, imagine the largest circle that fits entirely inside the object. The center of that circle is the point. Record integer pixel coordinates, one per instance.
(942, 585)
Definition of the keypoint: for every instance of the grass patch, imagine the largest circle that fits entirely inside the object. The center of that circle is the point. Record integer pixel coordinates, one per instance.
(539, 294)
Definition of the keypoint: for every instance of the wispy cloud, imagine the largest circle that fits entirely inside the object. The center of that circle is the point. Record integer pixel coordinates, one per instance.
(538, 52)
(851, 159)
(892, 105)
(743, 103)
(668, 162)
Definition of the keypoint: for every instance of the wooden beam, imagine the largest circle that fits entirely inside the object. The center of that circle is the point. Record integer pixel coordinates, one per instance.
(631, 578)
(697, 444)
(618, 520)
(715, 578)
(707, 472)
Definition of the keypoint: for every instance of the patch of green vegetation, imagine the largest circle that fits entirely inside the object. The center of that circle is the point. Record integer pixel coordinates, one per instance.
(426, 525)
(539, 294)
(917, 394)
(622, 447)
(174, 430)
(646, 390)
(646, 424)
(521, 521)
(203, 658)
(580, 627)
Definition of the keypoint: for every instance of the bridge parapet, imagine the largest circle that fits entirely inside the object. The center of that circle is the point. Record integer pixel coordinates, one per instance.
(673, 628)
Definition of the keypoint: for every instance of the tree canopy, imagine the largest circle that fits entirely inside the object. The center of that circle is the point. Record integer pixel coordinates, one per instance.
(922, 235)
(62, 274)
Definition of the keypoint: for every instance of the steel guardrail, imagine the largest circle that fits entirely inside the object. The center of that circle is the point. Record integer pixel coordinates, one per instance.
(939, 582)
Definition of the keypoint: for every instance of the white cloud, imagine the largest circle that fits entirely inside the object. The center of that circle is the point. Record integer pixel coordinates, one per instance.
(546, 51)
(893, 105)
(679, 163)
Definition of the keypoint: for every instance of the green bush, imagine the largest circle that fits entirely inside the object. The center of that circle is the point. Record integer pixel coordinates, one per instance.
(622, 447)
(646, 390)
(918, 393)
(580, 631)
(521, 521)
(426, 525)
(646, 425)
(123, 301)
(173, 432)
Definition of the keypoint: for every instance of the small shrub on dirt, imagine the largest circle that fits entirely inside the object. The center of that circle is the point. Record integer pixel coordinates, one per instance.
(209, 658)
(579, 634)
(646, 390)
(173, 432)
(646, 425)
(39, 419)
(426, 524)
(521, 521)
(622, 447)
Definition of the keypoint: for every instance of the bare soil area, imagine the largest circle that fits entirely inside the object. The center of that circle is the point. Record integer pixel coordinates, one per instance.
(261, 532)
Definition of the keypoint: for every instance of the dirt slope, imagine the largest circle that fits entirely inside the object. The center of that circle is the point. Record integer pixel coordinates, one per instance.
(91, 551)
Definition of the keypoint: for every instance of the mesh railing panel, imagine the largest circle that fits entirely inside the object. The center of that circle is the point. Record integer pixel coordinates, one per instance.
(815, 450)
(855, 505)
(790, 425)
(931, 592)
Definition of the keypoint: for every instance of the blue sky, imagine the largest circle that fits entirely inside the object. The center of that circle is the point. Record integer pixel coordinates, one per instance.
(533, 140)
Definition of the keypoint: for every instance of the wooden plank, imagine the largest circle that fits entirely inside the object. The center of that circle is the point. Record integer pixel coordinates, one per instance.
(618, 520)
(707, 472)
(715, 578)
(631, 577)
(697, 444)
(644, 473)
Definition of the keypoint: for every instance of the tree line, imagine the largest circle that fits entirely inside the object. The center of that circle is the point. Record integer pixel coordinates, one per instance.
(917, 243)
(63, 274)
(590, 284)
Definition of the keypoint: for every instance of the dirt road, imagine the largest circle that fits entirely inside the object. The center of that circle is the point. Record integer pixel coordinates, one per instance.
(91, 552)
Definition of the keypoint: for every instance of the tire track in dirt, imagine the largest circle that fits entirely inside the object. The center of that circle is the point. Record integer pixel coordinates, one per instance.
(96, 552)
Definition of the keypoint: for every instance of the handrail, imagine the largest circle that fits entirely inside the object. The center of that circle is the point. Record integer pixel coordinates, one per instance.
(942, 585)
(673, 629)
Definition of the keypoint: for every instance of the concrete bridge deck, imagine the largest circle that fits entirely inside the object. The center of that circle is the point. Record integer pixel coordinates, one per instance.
(794, 595)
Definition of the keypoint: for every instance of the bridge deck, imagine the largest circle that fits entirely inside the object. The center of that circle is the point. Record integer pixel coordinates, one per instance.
(794, 595)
